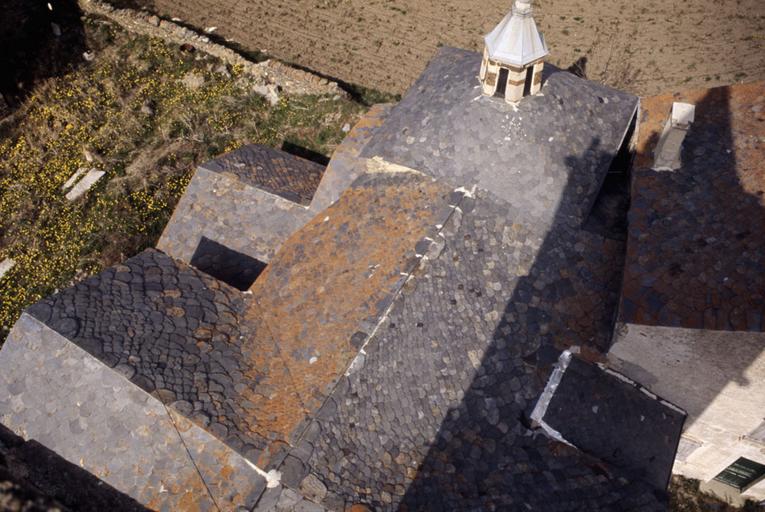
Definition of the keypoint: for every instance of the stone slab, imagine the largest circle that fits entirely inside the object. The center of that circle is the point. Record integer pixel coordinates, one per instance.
(6, 266)
(85, 184)
(73, 178)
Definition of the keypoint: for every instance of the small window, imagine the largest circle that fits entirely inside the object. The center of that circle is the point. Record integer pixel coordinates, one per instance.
(502, 85)
(742, 473)
(528, 82)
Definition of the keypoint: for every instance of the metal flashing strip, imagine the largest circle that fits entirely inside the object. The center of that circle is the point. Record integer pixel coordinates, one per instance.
(540, 409)
(642, 388)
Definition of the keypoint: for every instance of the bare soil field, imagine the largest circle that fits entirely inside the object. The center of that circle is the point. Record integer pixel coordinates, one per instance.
(644, 46)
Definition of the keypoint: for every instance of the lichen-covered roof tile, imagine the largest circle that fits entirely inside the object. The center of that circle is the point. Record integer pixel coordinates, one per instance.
(432, 414)
(328, 286)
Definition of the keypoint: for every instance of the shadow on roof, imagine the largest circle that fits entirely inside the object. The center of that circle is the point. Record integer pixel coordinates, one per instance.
(33, 476)
(485, 455)
(692, 314)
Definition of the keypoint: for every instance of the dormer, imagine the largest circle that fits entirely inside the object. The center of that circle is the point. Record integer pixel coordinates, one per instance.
(513, 56)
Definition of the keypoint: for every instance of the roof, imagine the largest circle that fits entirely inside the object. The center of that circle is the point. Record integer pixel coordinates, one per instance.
(226, 360)
(73, 403)
(245, 204)
(394, 347)
(560, 141)
(696, 250)
(516, 40)
(344, 167)
(176, 333)
(227, 211)
(271, 170)
(431, 411)
(323, 294)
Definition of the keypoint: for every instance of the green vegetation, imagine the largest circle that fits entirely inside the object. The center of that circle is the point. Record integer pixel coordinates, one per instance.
(146, 113)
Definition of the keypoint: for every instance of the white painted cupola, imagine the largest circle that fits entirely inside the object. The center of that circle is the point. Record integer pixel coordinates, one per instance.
(513, 56)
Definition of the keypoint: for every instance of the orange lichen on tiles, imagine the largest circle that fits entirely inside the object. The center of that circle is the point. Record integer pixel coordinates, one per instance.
(696, 248)
(342, 270)
(736, 108)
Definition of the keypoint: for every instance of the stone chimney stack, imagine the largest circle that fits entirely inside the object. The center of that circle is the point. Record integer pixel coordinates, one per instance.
(513, 56)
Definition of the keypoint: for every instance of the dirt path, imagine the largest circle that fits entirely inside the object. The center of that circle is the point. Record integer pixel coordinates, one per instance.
(646, 46)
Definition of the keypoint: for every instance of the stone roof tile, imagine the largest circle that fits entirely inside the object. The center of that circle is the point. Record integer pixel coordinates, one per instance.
(562, 139)
(696, 249)
(275, 171)
(432, 412)
(325, 291)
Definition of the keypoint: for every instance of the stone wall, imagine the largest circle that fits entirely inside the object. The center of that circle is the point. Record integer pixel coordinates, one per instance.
(273, 75)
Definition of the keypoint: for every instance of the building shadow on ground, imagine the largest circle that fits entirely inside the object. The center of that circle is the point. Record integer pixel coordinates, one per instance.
(39, 40)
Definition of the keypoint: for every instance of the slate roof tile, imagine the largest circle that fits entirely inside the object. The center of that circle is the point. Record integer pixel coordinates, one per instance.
(325, 290)
(445, 127)
(433, 416)
(275, 171)
(177, 333)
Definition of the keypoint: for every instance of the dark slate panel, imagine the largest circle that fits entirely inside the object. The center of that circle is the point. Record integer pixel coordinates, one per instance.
(272, 170)
(227, 265)
(616, 421)
(547, 157)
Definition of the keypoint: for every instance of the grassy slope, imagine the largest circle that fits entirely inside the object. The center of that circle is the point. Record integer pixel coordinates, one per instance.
(102, 110)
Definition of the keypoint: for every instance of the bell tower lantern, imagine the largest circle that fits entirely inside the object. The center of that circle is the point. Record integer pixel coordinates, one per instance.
(513, 56)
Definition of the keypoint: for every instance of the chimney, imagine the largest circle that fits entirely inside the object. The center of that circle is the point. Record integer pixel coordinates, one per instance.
(513, 56)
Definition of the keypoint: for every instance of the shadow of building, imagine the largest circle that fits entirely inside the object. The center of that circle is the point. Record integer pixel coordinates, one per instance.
(39, 40)
(486, 455)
